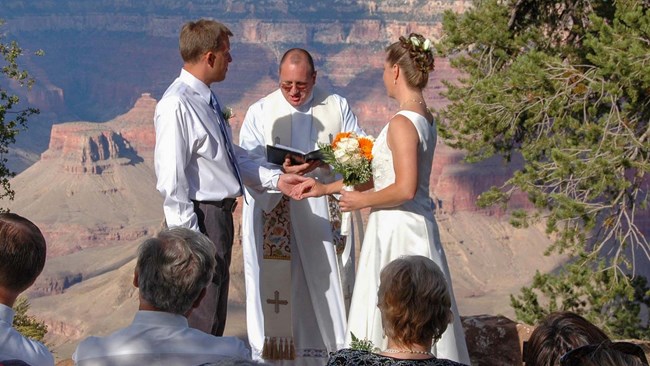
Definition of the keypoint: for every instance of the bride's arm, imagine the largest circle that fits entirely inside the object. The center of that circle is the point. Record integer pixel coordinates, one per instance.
(403, 141)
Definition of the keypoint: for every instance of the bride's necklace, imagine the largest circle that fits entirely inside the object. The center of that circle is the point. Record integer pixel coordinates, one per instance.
(420, 102)
(393, 350)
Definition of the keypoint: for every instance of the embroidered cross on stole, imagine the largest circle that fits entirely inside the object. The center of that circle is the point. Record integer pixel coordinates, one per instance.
(275, 274)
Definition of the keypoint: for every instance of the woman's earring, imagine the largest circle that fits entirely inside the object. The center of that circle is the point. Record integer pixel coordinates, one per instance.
(394, 81)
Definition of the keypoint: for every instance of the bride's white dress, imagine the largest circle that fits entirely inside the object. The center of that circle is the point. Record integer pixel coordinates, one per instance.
(408, 229)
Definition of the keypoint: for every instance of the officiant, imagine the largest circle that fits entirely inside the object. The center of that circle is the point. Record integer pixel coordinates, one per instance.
(299, 270)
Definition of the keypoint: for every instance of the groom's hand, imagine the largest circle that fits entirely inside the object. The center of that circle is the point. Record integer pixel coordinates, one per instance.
(287, 184)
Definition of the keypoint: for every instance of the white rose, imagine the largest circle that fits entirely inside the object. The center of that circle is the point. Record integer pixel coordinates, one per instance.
(353, 144)
(341, 155)
(349, 145)
(356, 159)
(415, 41)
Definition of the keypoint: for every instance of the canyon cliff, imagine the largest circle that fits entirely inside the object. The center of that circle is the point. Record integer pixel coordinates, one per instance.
(101, 55)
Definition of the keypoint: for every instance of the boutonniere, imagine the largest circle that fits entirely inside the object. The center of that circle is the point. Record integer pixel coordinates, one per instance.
(228, 113)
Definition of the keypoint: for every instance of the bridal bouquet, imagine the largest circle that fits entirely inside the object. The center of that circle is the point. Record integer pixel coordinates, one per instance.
(351, 156)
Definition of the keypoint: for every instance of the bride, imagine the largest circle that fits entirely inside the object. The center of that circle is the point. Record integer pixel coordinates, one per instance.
(401, 220)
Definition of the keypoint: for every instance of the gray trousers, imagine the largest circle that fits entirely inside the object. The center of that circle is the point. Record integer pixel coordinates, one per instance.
(216, 222)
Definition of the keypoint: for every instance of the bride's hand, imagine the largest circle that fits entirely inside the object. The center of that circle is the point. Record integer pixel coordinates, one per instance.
(351, 200)
(308, 188)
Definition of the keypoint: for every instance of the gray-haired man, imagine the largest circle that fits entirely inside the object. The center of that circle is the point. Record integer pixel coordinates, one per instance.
(172, 273)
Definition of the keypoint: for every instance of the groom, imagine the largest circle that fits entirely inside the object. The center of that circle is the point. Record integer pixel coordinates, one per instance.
(200, 173)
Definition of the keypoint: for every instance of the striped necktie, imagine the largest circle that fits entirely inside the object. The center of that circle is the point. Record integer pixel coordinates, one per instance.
(226, 138)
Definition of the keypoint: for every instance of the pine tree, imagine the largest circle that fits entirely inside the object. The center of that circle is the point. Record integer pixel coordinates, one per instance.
(13, 118)
(566, 86)
(27, 325)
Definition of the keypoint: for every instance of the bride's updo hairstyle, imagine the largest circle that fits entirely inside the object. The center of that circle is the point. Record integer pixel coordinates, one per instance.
(414, 55)
(413, 299)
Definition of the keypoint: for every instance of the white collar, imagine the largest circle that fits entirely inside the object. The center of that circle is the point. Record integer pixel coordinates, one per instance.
(196, 84)
(160, 318)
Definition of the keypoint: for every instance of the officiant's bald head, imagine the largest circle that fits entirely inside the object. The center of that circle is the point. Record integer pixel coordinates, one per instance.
(297, 76)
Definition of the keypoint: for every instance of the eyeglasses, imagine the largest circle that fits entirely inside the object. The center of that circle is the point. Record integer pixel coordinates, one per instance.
(576, 355)
(288, 85)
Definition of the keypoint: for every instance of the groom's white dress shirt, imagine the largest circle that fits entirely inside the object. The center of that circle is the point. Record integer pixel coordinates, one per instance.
(190, 159)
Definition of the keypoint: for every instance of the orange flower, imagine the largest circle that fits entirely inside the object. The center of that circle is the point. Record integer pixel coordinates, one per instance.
(339, 136)
(365, 145)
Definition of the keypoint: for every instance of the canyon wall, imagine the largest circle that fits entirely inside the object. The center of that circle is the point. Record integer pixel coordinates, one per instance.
(101, 55)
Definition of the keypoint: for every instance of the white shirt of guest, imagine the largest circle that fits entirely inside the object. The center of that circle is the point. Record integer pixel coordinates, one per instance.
(14, 346)
(190, 159)
(158, 338)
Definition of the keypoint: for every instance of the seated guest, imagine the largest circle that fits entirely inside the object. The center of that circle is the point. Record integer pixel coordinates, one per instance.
(558, 334)
(605, 353)
(415, 308)
(235, 362)
(14, 363)
(22, 258)
(171, 274)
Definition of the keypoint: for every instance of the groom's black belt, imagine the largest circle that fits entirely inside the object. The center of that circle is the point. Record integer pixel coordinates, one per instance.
(226, 204)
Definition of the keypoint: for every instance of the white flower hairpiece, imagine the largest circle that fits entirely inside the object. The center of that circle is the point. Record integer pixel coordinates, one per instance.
(427, 44)
(420, 50)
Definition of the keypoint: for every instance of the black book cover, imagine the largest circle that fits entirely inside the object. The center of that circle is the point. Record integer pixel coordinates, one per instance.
(276, 153)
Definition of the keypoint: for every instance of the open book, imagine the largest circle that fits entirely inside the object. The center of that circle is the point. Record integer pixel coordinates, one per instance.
(276, 153)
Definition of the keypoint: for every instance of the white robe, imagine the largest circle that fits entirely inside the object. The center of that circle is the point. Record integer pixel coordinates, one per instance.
(318, 294)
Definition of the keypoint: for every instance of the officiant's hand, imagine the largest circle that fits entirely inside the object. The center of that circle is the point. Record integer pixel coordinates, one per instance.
(288, 182)
(351, 200)
(300, 168)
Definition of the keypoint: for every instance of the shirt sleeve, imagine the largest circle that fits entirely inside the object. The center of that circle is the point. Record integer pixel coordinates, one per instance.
(251, 134)
(16, 346)
(171, 156)
(242, 350)
(257, 173)
(40, 355)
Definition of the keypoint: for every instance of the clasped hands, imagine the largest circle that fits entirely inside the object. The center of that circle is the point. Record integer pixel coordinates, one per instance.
(293, 183)
(299, 187)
